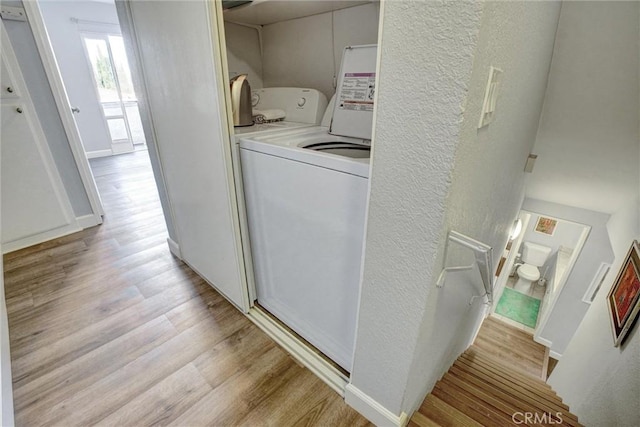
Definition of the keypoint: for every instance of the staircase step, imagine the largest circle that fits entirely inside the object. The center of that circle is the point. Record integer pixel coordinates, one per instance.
(489, 398)
(445, 415)
(532, 384)
(515, 397)
(471, 406)
(513, 388)
(530, 364)
(483, 358)
(419, 420)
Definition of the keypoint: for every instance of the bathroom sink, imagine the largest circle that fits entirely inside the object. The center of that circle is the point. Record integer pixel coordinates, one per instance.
(341, 148)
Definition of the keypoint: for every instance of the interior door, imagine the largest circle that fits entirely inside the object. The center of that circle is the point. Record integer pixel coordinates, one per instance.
(187, 106)
(109, 91)
(35, 204)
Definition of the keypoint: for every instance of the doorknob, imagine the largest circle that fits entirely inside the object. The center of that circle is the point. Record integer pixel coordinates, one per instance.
(75, 109)
(19, 110)
(9, 89)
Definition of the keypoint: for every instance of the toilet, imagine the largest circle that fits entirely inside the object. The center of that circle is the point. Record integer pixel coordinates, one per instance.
(533, 256)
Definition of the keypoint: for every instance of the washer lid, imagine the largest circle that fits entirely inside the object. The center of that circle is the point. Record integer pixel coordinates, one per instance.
(353, 110)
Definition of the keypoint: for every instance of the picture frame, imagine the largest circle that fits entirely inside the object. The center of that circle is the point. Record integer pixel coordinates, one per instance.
(546, 225)
(624, 297)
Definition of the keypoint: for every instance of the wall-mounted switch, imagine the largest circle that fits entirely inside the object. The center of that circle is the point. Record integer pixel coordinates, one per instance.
(490, 97)
(531, 161)
(13, 13)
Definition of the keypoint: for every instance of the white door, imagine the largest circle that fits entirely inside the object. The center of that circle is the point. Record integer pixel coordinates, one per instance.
(35, 205)
(114, 86)
(182, 76)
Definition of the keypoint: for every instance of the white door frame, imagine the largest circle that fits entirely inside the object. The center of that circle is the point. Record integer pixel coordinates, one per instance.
(45, 49)
(103, 31)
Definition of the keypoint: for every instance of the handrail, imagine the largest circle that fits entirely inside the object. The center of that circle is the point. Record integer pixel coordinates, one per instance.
(484, 259)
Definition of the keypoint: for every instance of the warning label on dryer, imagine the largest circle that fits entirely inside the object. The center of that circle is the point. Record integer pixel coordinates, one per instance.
(357, 91)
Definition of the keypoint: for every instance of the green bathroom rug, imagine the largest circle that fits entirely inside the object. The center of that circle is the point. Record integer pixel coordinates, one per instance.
(519, 307)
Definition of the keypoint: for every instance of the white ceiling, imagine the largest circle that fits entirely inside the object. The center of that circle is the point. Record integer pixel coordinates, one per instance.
(264, 12)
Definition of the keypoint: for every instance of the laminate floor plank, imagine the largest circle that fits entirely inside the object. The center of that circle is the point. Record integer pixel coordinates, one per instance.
(55, 385)
(158, 406)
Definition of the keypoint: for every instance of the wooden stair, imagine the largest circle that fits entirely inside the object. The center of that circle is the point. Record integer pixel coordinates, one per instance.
(481, 389)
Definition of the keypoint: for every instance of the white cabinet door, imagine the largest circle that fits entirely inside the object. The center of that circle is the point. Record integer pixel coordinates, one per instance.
(35, 206)
(8, 88)
(31, 203)
(178, 59)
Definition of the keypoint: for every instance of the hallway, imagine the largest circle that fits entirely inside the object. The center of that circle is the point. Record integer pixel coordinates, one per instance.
(108, 328)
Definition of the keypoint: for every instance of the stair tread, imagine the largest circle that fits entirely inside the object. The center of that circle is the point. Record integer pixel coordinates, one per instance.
(487, 359)
(445, 414)
(504, 406)
(473, 408)
(515, 397)
(530, 364)
(419, 420)
(530, 383)
(541, 400)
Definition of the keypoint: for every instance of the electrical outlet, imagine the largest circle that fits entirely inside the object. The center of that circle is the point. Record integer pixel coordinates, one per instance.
(13, 13)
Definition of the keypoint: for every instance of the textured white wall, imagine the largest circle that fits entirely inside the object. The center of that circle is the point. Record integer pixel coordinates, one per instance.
(243, 53)
(588, 132)
(569, 309)
(487, 180)
(601, 383)
(74, 67)
(426, 55)
(302, 52)
(434, 171)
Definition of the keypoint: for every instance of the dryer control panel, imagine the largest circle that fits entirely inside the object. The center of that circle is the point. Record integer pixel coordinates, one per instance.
(301, 105)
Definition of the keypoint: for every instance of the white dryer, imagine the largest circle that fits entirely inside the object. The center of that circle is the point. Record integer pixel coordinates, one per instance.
(301, 107)
(306, 195)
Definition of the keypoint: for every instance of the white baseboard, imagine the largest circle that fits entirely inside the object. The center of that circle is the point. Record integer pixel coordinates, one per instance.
(39, 238)
(174, 248)
(122, 148)
(372, 410)
(99, 153)
(88, 221)
(299, 351)
(555, 355)
(543, 341)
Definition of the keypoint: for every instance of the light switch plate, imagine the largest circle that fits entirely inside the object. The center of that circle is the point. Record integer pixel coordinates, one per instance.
(490, 97)
(13, 13)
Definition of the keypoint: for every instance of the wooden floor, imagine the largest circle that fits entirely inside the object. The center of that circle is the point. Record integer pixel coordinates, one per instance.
(496, 382)
(108, 328)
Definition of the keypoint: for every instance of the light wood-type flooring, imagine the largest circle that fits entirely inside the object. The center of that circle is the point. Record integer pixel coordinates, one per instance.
(107, 328)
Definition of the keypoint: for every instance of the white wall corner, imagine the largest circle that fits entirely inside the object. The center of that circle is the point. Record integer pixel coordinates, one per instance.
(174, 248)
(88, 221)
(372, 410)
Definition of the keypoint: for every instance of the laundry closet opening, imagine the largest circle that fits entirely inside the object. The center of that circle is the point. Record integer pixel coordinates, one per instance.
(302, 89)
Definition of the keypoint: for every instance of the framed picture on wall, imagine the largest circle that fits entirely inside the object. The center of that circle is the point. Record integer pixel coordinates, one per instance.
(624, 296)
(546, 225)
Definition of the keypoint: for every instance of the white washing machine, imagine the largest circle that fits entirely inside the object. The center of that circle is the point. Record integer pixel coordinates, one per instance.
(306, 195)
